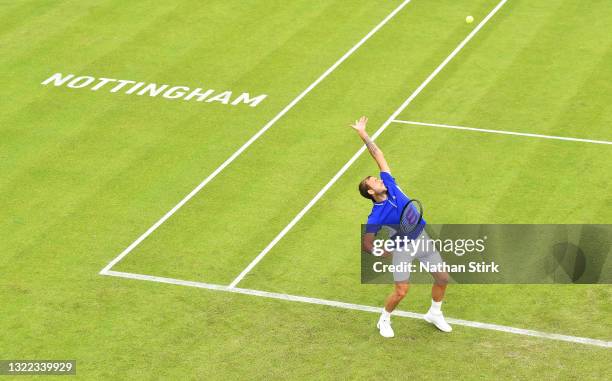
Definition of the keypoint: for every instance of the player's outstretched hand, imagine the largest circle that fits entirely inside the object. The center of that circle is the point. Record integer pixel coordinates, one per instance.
(360, 124)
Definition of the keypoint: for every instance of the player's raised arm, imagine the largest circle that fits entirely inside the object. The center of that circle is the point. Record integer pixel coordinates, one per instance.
(376, 153)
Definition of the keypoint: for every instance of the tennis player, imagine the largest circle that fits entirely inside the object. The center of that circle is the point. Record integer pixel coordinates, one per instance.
(388, 203)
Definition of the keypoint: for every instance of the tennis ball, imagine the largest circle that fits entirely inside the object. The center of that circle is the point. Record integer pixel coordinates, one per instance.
(469, 19)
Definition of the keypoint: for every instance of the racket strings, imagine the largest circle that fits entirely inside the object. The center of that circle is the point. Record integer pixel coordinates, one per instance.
(411, 217)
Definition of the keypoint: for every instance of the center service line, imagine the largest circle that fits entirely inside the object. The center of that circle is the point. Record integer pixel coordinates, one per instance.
(346, 166)
(360, 307)
(252, 139)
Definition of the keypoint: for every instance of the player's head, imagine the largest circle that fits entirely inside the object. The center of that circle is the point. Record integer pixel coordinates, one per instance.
(371, 187)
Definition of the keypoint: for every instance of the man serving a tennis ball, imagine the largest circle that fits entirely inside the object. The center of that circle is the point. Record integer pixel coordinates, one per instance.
(388, 204)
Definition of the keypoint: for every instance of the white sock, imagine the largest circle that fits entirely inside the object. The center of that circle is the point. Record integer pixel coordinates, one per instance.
(385, 315)
(436, 306)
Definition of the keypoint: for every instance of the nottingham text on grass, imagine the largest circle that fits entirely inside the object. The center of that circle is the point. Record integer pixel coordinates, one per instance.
(152, 89)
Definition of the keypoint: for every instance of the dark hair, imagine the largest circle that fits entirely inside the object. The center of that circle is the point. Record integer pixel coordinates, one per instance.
(364, 188)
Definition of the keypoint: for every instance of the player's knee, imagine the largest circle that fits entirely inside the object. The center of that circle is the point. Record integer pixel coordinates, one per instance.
(442, 278)
(401, 289)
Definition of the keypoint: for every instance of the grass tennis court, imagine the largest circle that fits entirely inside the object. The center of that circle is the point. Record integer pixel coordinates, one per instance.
(86, 173)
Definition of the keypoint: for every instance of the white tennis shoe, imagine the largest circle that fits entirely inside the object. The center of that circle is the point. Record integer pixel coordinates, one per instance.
(437, 319)
(384, 327)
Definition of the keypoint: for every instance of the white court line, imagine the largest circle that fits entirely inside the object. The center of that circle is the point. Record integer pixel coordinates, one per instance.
(359, 307)
(346, 166)
(502, 132)
(252, 139)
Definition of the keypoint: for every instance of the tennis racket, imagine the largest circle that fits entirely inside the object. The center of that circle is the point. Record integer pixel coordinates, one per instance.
(411, 218)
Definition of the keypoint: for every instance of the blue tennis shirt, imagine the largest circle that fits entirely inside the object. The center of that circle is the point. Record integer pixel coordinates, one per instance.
(389, 211)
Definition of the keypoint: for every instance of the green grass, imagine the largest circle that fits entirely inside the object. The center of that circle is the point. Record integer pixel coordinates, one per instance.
(85, 173)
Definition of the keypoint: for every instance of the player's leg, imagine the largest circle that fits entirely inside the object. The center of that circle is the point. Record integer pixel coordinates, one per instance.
(438, 289)
(400, 289)
(434, 315)
(429, 256)
(384, 322)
